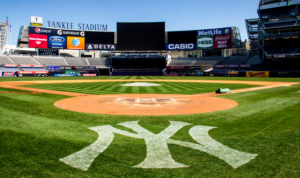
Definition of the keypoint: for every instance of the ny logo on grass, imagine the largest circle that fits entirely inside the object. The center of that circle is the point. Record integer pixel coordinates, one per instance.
(158, 154)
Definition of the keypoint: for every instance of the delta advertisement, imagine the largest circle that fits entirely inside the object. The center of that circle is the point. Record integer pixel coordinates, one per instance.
(93, 46)
(217, 31)
(77, 43)
(205, 42)
(222, 41)
(37, 41)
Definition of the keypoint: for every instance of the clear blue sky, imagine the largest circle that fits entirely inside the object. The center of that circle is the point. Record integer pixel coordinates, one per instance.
(178, 14)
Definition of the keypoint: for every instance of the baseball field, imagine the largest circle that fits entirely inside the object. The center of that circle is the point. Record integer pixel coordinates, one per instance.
(149, 127)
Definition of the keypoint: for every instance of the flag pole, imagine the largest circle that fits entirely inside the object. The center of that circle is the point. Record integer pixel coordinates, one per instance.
(0, 42)
(10, 39)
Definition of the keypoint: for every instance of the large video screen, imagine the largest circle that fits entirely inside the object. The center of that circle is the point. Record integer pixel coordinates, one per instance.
(141, 36)
(182, 37)
(100, 37)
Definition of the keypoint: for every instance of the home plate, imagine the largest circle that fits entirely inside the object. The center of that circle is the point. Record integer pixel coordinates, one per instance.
(141, 84)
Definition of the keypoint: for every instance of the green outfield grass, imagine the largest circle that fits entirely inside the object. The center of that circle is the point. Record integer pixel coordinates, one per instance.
(116, 88)
(35, 134)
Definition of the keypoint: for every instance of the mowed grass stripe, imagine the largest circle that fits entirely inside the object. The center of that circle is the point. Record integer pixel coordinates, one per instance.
(177, 85)
(149, 90)
(172, 87)
(136, 89)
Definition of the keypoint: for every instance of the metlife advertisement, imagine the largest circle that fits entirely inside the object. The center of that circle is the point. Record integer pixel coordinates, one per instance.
(57, 42)
(217, 31)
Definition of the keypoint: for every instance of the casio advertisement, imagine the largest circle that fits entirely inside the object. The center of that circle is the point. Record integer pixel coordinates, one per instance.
(181, 46)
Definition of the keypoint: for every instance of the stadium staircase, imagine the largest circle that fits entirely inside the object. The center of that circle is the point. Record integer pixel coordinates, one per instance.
(35, 60)
(65, 61)
(6, 60)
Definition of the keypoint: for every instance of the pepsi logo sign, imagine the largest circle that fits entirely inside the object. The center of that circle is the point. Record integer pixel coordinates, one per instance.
(37, 30)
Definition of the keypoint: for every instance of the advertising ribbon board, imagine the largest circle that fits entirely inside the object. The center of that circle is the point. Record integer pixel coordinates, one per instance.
(65, 75)
(10, 65)
(257, 74)
(222, 41)
(178, 67)
(53, 67)
(205, 42)
(31, 66)
(33, 72)
(89, 75)
(72, 72)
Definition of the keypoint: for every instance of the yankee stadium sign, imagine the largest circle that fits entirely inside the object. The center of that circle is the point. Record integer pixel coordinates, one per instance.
(80, 26)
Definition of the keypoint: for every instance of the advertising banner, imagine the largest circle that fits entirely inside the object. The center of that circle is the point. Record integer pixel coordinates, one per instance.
(37, 41)
(70, 33)
(245, 65)
(75, 43)
(8, 74)
(33, 72)
(48, 52)
(89, 67)
(205, 42)
(53, 67)
(257, 74)
(57, 42)
(35, 19)
(233, 72)
(93, 46)
(72, 72)
(178, 67)
(30, 66)
(233, 65)
(89, 75)
(36, 24)
(222, 41)
(181, 46)
(217, 31)
(10, 65)
(220, 66)
(38, 30)
(196, 67)
(65, 75)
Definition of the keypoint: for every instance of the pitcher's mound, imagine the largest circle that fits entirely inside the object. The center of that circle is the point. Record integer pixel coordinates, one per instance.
(146, 104)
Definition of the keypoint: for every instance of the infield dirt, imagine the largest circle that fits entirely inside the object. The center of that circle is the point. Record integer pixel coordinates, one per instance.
(144, 104)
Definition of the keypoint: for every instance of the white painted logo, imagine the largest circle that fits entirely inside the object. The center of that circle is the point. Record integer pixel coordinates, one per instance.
(158, 153)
